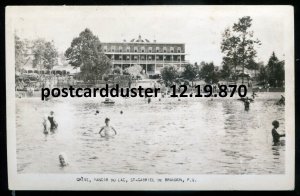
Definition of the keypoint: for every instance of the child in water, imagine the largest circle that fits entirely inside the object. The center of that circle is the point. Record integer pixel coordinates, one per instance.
(275, 134)
(52, 121)
(108, 130)
(46, 124)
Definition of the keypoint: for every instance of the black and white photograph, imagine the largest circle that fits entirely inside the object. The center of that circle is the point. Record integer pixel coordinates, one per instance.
(150, 97)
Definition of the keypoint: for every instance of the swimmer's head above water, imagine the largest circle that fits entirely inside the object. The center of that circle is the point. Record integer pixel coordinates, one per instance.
(62, 160)
(107, 120)
(275, 123)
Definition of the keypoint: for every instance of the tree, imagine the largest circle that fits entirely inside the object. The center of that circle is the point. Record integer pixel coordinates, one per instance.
(169, 74)
(238, 44)
(117, 71)
(190, 72)
(275, 70)
(134, 70)
(253, 65)
(44, 54)
(209, 73)
(86, 52)
(262, 74)
(20, 53)
(225, 72)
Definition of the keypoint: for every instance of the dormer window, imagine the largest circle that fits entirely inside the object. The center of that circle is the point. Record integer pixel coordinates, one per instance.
(157, 49)
(135, 49)
(120, 49)
(128, 49)
(179, 50)
(105, 48)
(150, 49)
(143, 49)
(165, 49)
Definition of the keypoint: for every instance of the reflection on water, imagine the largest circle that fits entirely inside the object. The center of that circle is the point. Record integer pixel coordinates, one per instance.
(191, 136)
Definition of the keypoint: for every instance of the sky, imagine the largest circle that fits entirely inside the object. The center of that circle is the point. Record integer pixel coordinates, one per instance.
(199, 27)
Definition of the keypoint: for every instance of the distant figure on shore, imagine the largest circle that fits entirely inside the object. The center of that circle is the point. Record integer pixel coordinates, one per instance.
(247, 103)
(276, 136)
(52, 121)
(121, 112)
(108, 130)
(62, 160)
(46, 124)
(97, 112)
(281, 101)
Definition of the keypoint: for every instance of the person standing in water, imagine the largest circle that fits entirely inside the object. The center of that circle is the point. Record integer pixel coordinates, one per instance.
(46, 125)
(247, 103)
(53, 124)
(108, 130)
(276, 136)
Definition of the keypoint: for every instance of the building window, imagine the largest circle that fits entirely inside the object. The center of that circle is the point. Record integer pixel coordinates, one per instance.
(120, 57)
(120, 49)
(165, 49)
(157, 57)
(113, 48)
(171, 49)
(143, 49)
(157, 49)
(105, 48)
(135, 49)
(127, 57)
(128, 49)
(150, 57)
(178, 58)
(150, 49)
(164, 57)
(142, 57)
(179, 50)
(135, 57)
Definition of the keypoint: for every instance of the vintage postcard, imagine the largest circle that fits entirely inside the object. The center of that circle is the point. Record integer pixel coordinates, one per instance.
(150, 97)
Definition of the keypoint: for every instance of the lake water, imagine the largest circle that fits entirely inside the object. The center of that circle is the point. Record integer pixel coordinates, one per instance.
(191, 136)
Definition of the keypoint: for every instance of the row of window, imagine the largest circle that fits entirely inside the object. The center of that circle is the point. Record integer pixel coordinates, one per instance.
(143, 49)
(144, 58)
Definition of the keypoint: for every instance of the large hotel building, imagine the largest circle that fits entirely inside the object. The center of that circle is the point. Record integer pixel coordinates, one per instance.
(152, 56)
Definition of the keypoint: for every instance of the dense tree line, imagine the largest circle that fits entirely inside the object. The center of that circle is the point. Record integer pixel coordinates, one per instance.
(43, 53)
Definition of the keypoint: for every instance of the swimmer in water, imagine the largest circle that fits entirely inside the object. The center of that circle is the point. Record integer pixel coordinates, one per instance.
(276, 136)
(253, 94)
(108, 130)
(46, 124)
(247, 103)
(62, 160)
(281, 101)
(52, 121)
